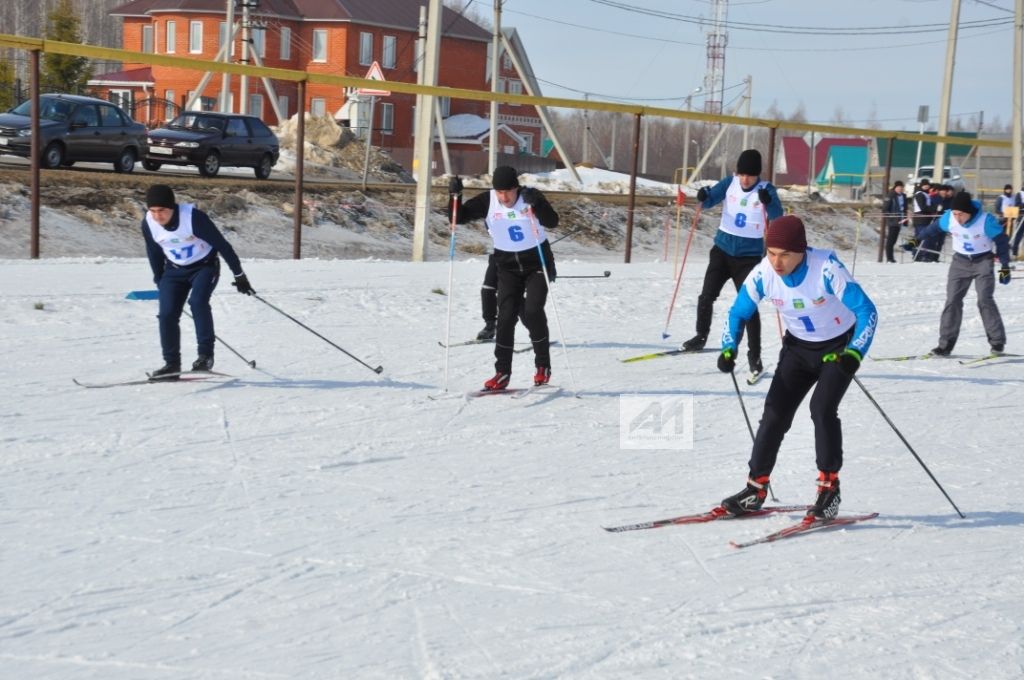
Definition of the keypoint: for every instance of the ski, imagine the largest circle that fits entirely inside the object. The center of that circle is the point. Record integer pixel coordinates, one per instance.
(805, 525)
(519, 350)
(555, 389)
(709, 516)
(184, 376)
(755, 377)
(987, 357)
(909, 357)
(666, 353)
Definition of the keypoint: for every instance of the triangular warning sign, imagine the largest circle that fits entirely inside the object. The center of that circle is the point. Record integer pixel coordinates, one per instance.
(373, 74)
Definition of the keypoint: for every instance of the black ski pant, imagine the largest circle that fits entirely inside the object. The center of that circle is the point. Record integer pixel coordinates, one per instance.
(196, 284)
(489, 292)
(891, 236)
(722, 268)
(521, 294)
(799, 369)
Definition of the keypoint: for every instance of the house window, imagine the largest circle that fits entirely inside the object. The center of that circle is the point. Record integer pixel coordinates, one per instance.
(390, 51)
(259, 41)
(171, 31)
(446, 106)
(318, 106)
(527, 142)
(515, 87)
(256, 105)
(122, 98)
(320, 45)
(169, 106)
(366, 48)
(147, 39)
(286, 44)
(387, 118)
(222, 37)
(193, 105)
(195, 37)
(282, 104)
(506, 62)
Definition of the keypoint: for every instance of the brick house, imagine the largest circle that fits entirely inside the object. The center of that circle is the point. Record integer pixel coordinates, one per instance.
(342, 37)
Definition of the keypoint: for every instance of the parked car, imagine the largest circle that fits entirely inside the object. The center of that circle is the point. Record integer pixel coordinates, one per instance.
(951, 175)
(212, 141)
(74, 128)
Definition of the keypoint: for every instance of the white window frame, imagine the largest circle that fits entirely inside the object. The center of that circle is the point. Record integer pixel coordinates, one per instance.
(256, 105)
(222, 34)
(318, 104)
(170, 37)
(446, 106)
(527, 141)
(322, 34)
(506, 62)
(152, 39)
(387, 118)
(286, 43)
(169, 107)
(282, 104)
(389, 53)
(195, 37)
(365, 48)
(259, 41)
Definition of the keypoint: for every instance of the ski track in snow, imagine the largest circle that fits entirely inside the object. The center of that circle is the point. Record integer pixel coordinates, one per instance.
(311, 520)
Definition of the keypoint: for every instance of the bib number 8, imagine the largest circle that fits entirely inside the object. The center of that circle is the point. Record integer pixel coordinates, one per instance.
(741, 220)
(515, 233)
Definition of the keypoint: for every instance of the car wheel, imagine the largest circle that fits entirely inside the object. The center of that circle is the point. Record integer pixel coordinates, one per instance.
(125, 161)
(265, 166)
(53, 156)
(210, 165)
(152, 166)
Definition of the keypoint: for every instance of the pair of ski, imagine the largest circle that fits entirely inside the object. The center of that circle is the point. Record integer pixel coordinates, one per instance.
(752, 378)
(511, 392)
(182, 376)
(806, 525)
(518, 350)
(966, 361)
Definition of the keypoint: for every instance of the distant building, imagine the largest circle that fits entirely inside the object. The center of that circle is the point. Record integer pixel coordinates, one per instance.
(342, 37)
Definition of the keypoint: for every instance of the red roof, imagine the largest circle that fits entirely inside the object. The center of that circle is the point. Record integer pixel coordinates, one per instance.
(797, 155)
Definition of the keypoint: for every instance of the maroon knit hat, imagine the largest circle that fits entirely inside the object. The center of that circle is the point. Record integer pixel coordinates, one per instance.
(787, 233)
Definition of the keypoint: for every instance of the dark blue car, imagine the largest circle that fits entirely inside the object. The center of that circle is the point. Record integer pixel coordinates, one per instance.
(211, 141)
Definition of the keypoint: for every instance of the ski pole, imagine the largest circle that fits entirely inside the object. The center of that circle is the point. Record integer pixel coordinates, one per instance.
(378, 369)
(588, 276)
(907, 444)
(743, 407)
(567, 235)
(679, 278)
(252, 364)
(554, 304)
(451, 276)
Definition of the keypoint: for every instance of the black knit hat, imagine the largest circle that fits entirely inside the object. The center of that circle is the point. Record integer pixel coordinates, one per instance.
(749, 163)
(160, 196)
(505, 177)
(787, 233)
(962, 202)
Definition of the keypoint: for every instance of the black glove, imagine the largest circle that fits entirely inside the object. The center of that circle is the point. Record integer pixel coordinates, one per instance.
(455, 186)
(1004, 275)
(530, 196)
(727, 361)
(241, 282)
(764, 196)
(848, 361)
(702, 194)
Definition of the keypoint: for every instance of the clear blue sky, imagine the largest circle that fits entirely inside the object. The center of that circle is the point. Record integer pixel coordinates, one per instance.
(578, 46)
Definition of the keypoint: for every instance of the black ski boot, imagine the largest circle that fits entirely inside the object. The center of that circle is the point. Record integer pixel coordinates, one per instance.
(826, 506)
(754, 360)
(487, 333)
(169, 371)
(941, 351)
(750, 499)
(695, 344)
(203, 363)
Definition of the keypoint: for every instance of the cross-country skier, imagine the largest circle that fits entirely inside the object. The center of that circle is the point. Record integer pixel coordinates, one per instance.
(506, 210)
(829, 323)
(182, 244)
(739, 245)
(975, 233)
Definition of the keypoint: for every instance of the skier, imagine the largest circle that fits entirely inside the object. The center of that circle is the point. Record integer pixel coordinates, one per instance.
(829, 322)
(739, 245)
(183, 245)
(512, 213)
(974, 233)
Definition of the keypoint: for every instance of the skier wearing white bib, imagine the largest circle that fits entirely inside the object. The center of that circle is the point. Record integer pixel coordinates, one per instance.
(739, 245)
(830, 323)
(183, 244)
(516, 217)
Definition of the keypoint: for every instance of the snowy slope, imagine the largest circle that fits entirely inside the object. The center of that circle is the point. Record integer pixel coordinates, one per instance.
(313, 520)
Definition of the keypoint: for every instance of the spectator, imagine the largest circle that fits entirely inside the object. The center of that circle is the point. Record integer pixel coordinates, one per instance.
(895, 211)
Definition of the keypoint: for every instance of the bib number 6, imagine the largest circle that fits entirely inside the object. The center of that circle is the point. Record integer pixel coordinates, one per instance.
(515, 232)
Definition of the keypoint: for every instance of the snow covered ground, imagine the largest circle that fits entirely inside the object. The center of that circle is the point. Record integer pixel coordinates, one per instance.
(310, 519)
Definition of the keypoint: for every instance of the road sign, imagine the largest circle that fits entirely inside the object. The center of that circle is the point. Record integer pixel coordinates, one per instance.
(373, 74)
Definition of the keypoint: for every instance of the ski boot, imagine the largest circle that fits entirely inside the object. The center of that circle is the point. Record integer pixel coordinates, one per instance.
(497, 383)
(203, 363)
(487, 333)
(694, 344)
(542, 377)
(169, 371)
(826, 505)
(748, 500)
(756, 367)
